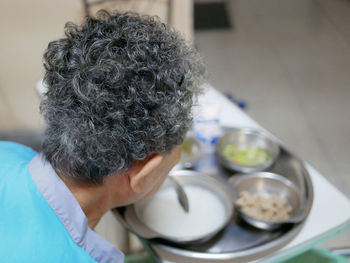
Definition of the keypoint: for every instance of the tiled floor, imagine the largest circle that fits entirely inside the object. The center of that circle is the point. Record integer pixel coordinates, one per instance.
(290, 61)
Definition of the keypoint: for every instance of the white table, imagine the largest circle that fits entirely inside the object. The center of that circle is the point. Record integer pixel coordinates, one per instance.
(330, 213)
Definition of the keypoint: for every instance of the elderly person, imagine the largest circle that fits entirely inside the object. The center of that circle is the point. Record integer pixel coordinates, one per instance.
(118, 104)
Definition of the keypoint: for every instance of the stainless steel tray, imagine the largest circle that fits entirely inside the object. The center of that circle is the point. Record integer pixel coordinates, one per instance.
(238, 242)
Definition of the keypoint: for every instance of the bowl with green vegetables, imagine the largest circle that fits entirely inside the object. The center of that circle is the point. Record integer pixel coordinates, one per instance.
(246, 150)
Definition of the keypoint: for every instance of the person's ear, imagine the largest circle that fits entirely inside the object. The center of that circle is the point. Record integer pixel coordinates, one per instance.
(141, 176)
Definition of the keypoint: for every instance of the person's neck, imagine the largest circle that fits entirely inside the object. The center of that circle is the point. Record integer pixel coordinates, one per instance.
(93, 200)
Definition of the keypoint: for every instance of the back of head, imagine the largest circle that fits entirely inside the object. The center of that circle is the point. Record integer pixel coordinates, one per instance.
(120, 88)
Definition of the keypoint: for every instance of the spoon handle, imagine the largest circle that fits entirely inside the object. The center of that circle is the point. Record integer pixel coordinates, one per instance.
(181, 195)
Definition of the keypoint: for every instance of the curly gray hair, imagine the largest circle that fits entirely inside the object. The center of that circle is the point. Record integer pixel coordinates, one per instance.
(120, 88)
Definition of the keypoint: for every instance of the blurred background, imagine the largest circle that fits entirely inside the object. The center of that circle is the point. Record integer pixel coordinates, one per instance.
(285, 62)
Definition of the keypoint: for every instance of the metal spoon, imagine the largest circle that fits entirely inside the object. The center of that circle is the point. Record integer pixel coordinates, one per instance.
(181, 195)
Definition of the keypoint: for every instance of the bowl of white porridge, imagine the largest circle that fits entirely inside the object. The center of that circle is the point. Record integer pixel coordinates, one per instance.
(162, 216)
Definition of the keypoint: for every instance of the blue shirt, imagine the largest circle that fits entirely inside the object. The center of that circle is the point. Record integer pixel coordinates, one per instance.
(40, 220)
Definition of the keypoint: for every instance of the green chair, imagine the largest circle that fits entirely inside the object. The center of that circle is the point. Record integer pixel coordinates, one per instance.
(318, 256)
(143, 257)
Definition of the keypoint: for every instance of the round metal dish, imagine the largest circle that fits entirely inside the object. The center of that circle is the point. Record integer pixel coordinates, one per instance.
(186, 178)
(191, 152)
(246, 137)
(238, 242)
(264, 183)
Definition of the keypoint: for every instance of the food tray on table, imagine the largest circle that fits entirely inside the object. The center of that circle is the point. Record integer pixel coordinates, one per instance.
(238, 242)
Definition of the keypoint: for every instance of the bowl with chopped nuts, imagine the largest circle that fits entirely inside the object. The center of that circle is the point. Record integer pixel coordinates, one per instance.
(266, 200)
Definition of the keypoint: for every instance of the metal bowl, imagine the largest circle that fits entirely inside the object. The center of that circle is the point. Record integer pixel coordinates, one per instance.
(264, 184)
(246, 137)
(191, 152)
(184, 177)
